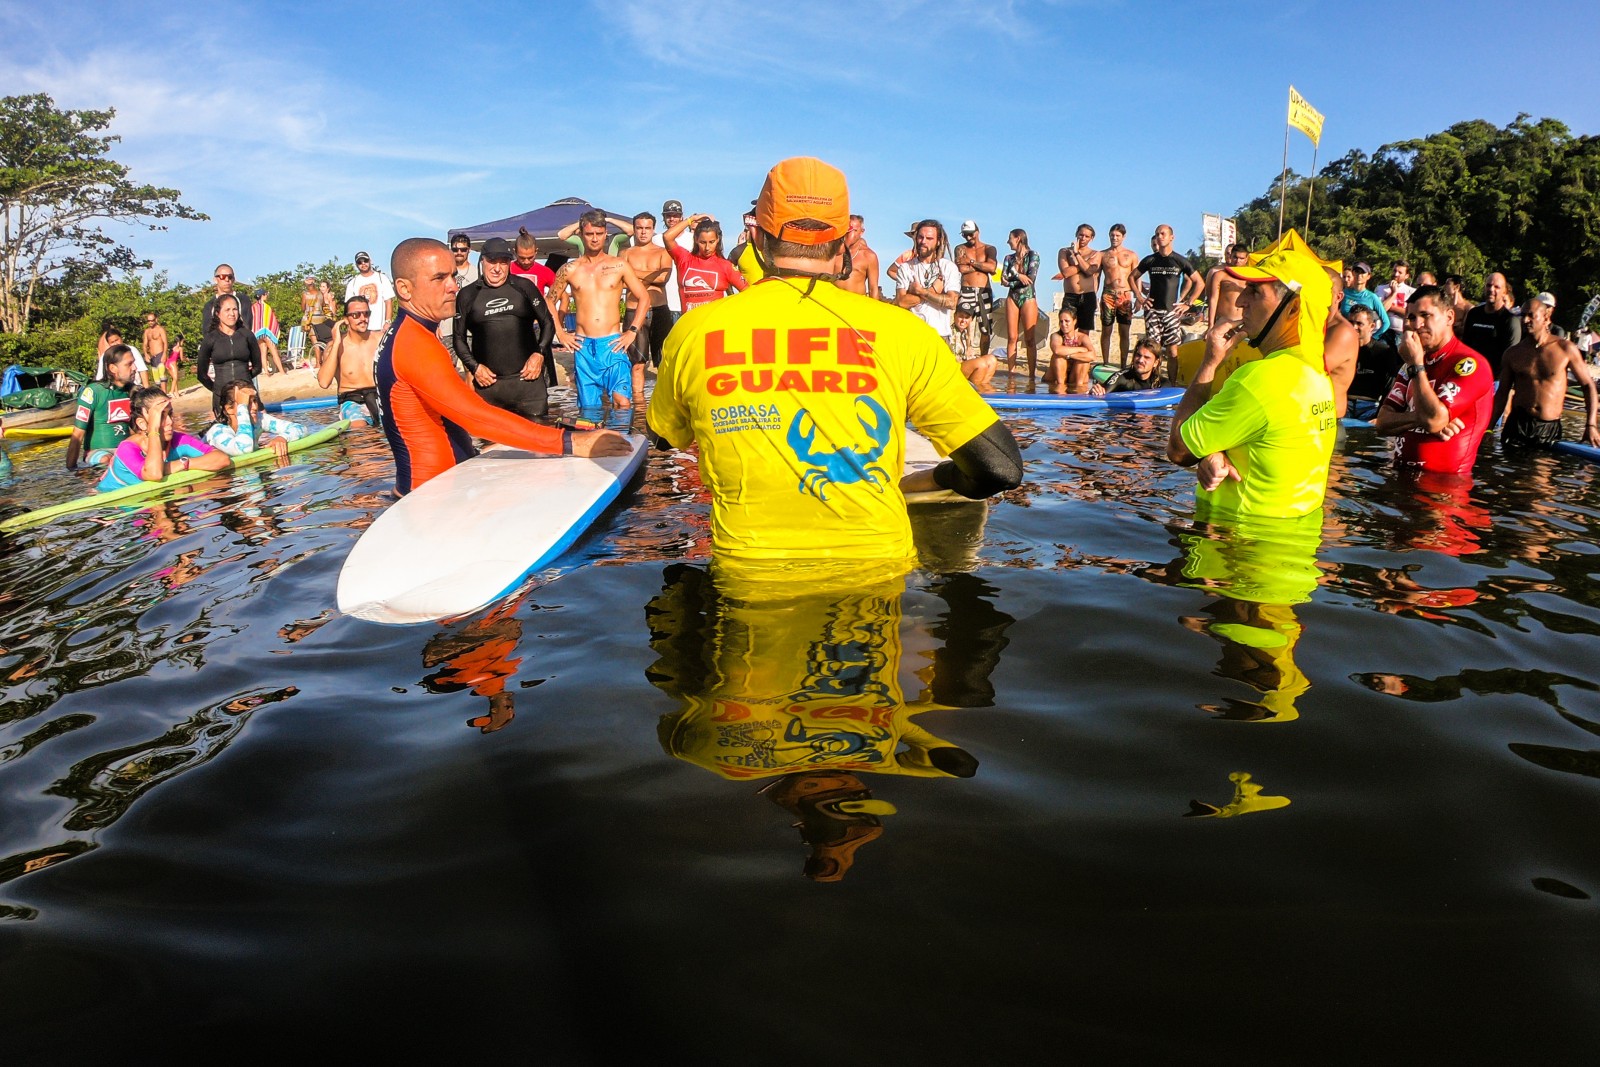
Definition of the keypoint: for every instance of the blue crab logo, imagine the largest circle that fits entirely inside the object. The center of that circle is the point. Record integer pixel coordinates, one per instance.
(846, 465)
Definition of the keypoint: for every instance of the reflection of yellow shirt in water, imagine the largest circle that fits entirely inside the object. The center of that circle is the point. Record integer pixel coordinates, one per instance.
(1275, 419)
(806, 681)
(798, 394)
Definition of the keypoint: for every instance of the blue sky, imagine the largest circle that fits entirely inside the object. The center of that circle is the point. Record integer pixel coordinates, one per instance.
(308, 131)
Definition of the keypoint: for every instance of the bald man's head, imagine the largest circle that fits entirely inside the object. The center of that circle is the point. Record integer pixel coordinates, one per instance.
(408, 254)
(424, 277)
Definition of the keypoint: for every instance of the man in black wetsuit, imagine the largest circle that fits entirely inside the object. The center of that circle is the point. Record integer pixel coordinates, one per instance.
(1145, 373)
(502, 335)
(1168, 273)
(1494, 325)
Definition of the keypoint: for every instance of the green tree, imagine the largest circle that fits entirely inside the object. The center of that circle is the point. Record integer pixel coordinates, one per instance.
(1523, 200)
(58, 189)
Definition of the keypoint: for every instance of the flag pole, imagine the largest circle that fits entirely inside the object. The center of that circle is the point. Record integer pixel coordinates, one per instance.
(1311, 190)
(1283, 180)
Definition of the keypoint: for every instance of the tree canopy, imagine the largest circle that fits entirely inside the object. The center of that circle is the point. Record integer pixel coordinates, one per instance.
(59, 187)
(1523, 200)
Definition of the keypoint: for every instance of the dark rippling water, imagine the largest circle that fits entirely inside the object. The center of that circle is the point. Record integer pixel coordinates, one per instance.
(1051, 799)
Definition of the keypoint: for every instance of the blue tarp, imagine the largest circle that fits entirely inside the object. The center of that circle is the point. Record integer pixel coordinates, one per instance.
(542, 222)
(10, 383)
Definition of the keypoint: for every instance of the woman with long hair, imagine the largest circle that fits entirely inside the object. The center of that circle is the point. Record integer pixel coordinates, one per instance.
(155, 448)
(704, 274)
(229, 351)
(1020, 271)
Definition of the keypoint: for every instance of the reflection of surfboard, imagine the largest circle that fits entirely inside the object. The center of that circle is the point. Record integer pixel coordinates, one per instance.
(129, 493)
(473, 534)
(1083, 402)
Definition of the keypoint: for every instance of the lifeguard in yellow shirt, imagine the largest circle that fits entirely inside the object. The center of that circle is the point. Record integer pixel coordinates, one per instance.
(798, 394)
(1263, 442)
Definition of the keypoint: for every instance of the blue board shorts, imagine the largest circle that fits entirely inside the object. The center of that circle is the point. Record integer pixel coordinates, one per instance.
(600, 371)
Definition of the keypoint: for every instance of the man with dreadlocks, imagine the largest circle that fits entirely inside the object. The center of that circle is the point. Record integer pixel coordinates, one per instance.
(798, 394)
(929, 283)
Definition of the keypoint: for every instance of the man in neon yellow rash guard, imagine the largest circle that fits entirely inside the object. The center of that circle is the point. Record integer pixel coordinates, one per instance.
(1261, 445)
(798, 392)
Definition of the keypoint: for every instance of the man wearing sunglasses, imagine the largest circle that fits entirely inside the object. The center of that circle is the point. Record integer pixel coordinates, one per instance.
(348, 361)
(223, 278)
(375, 286)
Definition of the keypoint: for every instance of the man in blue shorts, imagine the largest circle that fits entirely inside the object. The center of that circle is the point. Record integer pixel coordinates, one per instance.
(600, 345)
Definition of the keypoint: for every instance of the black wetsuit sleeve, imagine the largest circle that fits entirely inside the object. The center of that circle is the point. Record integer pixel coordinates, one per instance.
(547, 323)
(202, 363)
(990, 463)
(253, 347)
(458, 327)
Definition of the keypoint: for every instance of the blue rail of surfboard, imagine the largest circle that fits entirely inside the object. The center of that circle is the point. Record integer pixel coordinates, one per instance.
(1082, 402)
(309, 404)
(580, 524)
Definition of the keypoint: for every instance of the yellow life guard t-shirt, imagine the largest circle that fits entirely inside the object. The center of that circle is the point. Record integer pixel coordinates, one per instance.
(798, 394)
(1275, 419)
(749, 265)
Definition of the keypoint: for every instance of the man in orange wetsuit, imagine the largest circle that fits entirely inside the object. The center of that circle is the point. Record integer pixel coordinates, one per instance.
(429, 414)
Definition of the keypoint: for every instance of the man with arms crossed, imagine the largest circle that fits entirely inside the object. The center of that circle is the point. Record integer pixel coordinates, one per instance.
(429, 414)
(1533, 381)
(1261, 446)
(1117, 265)
(502, 335)
(653, 265)
(600, 346)
(928, 284)
(1164, 307)
(798, 392)
(976, 261)
(347, 363)
(863, 276)
(1441, 400)
(1080, 276)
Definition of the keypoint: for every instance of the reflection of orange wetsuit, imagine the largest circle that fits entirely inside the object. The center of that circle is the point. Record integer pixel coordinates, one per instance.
(484, 663)
(430, 414)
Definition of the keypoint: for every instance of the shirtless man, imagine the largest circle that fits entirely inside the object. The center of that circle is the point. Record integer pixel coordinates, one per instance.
(654, 268)
(1223, 289)
(1070, 357)
(1116, 293)
(1080, 277)
(863, 276)
(155, 347)
(1533, 381)
(347, 361)
(600, 345)
(976, 261)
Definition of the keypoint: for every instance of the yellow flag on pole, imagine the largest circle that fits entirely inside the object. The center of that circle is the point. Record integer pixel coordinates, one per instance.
(1304, 117)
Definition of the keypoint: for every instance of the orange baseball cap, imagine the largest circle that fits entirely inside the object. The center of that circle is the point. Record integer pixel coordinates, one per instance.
(803, 189)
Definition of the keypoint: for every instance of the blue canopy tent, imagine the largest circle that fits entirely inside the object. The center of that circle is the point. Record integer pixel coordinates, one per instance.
(542, 222)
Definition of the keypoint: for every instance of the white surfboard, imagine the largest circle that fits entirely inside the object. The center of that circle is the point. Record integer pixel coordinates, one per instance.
(921, 455)
(472, 535)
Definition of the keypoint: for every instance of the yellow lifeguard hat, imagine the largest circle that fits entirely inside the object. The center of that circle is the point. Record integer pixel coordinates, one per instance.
(1305, 275)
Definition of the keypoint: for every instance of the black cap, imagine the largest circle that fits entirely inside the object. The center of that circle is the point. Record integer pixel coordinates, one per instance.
(672, 207)
(362, 255)
(497, 248)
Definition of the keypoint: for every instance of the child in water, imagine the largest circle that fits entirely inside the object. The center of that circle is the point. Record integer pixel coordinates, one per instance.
(154, 449)
(243, 425)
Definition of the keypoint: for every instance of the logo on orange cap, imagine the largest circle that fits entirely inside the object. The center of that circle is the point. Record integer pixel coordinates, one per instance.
(805, 191)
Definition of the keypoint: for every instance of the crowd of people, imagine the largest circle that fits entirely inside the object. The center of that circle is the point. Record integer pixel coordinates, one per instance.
(797, 392)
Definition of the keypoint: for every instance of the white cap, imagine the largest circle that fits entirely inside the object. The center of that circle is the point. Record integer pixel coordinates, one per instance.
(969, 227)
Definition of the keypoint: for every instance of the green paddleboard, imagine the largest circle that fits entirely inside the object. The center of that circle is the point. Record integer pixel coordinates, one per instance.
(147, 489)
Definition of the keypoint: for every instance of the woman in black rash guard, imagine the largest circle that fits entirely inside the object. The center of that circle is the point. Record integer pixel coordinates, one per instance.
(228, 353)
